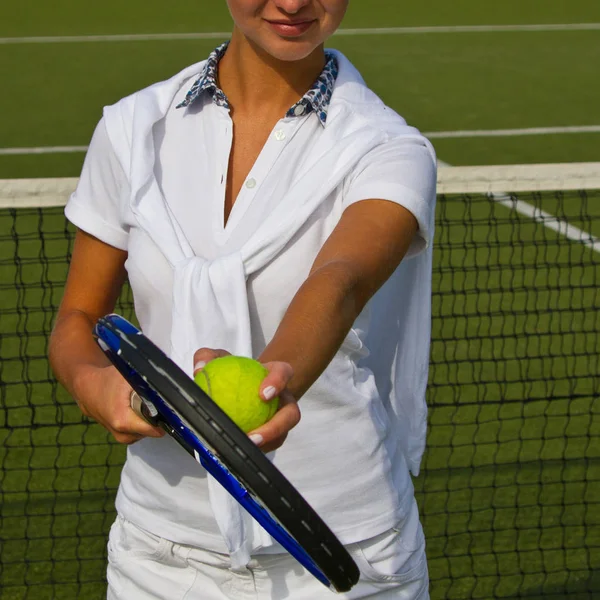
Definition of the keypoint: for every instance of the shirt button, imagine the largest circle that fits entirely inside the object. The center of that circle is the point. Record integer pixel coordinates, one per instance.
(250, 183)
(280, 135)
(299, 110)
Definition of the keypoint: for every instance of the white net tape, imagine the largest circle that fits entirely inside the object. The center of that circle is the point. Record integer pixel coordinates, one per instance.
(33, 193)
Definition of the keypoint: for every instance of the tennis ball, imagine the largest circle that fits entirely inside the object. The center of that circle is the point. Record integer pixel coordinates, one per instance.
(233, 383)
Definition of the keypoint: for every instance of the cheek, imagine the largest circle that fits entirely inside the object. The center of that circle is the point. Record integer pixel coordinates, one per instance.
(241, 10)
(335, 11)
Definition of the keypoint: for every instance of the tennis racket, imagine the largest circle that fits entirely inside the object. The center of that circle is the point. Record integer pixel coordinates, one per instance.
(169, 398)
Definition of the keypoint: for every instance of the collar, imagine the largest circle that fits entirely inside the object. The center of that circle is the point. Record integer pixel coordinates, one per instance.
(316, 99)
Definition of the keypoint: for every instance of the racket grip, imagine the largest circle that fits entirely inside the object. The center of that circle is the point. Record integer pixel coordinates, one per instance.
(143, 408)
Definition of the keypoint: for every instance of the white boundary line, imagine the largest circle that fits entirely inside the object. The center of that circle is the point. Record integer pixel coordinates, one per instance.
(547, 220)
(42, 150)
(126, 37)
(471, 29)
(213, 35)
(476, 133)
(512, 132)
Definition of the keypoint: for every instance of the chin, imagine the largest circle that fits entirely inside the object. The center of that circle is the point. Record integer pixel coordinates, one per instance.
(290, 51)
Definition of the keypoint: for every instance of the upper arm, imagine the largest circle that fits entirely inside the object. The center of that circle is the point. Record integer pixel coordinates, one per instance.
(96, 275)
(368, 244)
(389, 203)
(402, 171)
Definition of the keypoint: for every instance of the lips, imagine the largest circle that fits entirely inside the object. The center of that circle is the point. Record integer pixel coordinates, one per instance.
(291, 29)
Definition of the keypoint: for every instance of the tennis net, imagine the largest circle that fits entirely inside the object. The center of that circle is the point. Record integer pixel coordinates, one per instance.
(510, 486)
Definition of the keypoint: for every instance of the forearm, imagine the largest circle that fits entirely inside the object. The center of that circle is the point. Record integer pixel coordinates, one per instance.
(98, 388)
(72, 349)
(96, 276)
(315, 325)
(365, 248)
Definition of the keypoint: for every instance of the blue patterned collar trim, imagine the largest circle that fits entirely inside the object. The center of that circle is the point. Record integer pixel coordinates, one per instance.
(207, 82)
(316, 100)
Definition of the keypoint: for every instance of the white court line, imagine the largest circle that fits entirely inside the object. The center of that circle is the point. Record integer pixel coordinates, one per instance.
(511, 132)
(550, 221)
(452, 179)
(145, 37)
(42, 150)
(429, 134)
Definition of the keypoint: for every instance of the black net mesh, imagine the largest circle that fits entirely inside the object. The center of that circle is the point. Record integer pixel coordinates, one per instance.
(510, 485)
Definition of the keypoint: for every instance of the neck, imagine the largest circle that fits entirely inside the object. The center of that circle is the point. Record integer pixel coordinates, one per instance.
(256, 81)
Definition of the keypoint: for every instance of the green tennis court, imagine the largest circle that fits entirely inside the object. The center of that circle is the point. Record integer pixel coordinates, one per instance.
(442, 81)
(511, 480)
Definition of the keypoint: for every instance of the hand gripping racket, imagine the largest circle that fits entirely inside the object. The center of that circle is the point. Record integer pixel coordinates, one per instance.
(173, 401)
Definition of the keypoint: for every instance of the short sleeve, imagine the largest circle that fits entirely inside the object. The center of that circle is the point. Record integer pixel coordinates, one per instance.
(97, 204)
(402, 171)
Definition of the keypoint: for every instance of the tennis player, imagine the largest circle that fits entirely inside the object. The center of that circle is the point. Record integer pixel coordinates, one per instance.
(263, 202)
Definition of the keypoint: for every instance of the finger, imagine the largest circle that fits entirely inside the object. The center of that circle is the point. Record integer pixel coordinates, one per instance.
(273, 445)
(273, 433)
(126, 438)
(276, 381)
(204, 355)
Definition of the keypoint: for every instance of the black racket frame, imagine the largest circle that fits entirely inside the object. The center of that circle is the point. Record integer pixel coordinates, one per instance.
(238, 454)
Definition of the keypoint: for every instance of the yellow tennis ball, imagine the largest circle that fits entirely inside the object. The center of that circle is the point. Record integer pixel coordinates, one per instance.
(233, 383)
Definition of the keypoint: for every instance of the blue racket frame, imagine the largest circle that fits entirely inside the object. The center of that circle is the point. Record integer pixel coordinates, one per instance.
(117, 337)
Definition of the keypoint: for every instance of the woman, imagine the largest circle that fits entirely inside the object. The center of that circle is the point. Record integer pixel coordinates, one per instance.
(261, 203)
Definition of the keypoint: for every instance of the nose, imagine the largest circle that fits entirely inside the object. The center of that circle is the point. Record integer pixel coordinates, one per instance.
(292, 6)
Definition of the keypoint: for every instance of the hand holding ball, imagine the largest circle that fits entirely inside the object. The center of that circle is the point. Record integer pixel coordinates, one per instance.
(233, 383)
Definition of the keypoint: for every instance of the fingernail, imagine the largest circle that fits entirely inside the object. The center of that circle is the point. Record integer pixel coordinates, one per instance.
(256, 438)
(199, 365)
(269, 392)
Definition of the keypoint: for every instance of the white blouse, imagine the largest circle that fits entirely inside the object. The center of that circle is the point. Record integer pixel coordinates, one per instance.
(153, 184)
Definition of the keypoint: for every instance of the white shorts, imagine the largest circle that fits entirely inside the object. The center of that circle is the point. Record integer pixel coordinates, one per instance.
(143, 566)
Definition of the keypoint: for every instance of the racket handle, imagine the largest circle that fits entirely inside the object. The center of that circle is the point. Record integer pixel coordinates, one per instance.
(143, 408)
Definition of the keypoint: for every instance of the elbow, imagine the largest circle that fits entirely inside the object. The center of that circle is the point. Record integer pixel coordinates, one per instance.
(346, 292)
